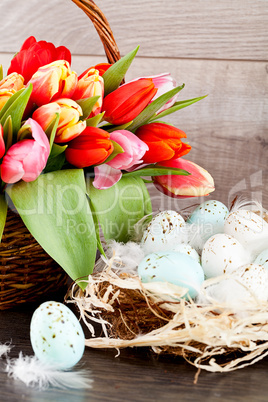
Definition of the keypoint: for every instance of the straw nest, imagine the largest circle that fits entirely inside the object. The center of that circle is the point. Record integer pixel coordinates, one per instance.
(210, 335)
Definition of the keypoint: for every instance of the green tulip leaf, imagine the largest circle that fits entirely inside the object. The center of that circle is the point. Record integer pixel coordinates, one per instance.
(51, 130)
(9, 102)
(87, 105)
(120, 207)
(55, 210)
(97, 229)
(8, 132)
(3, 214)
(1, 72)
(17, 108)
(117, 150)
(178, 106)
(156, 171)
(115, 74)
(95, 120)
(112, 128)
(55, 162)
(153, 107)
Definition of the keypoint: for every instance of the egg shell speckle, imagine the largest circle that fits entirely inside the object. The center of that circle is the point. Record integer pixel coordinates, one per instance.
(177, 268)
(165, 231)
(249, 229)
(223, 254)
(255, 278)
(210, 217)
(56, 335)
(262, 259)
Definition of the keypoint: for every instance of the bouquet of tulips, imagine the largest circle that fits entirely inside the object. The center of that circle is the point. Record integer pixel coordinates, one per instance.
(74, 151)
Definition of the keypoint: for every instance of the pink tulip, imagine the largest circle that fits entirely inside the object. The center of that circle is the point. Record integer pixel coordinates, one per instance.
(2, 142)
(164, 83)
(108, 174)
(197, 184)
(53, 81)
(90, 83)
(27, 158)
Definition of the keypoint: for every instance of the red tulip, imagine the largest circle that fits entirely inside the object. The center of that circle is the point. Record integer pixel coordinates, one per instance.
(101, 67)
(91, 147)
(34, 55)
(69, 125)
(53, 81)
(90, 84)
(197, 184)
(27, 158)
(2, 142)
(128, 101)
(163, 141)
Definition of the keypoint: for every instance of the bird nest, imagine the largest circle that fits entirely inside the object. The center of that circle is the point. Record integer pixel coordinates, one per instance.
(210, 335)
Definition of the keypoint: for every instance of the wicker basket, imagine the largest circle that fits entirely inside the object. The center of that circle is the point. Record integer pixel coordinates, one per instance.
(27, 272)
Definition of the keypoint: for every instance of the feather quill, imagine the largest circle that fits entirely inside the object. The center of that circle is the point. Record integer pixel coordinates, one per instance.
(39, 375)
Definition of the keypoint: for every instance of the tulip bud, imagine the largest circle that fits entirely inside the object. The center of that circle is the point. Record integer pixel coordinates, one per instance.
(164, 83)
(128, 101)
(93, 146)
(12, 82)
(34, 55)
(163, 141)
(90, 84)
(69, 125)
(53, 81)
(197, 184)
(5, 94)
(101, 67)
(27, 158)
(2, 142)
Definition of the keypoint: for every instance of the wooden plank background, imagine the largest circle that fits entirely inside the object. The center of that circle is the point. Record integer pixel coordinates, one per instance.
(215, 47)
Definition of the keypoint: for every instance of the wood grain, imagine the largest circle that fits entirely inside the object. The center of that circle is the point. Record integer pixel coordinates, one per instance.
(136, 375)
(205, 29)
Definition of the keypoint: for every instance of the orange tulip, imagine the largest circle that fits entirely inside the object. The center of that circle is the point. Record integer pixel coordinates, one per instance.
(53, 81)
(9, 86)
(164, 142)
(92, 147)
(128, 101)
(101, 67)
(90, 84)
(69, 125)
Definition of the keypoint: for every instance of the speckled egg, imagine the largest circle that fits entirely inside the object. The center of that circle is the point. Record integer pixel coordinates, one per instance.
(262, 258)
(249, 229)
(177, 268)
(165, 231)
(223, 254)
(56, 335)
(255, 278)
(187, 249)
(209, 218)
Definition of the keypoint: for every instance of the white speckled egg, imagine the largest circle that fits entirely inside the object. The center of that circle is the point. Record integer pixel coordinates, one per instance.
(262, 258)
(163, 232)
(187, 249)
(209, 217)
(177, 268)
(249, 229)
(255, 278)
(223, 254)
(56, 335)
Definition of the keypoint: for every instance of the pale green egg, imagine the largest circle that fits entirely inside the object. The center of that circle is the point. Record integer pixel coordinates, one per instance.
(56, 335)
(262, 258)
(177, 268)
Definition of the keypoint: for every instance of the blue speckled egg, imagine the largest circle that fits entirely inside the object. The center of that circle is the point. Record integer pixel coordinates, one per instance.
(262, 258)
(209, 217)
(56, 335)
(177, 268)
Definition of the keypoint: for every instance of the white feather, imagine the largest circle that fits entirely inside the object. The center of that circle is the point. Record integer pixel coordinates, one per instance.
(127, 256)
(5, 349)
(252, 205)
(36, 374)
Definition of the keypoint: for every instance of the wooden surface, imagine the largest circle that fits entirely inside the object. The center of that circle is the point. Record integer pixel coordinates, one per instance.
(219, 48)
(137, 375)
